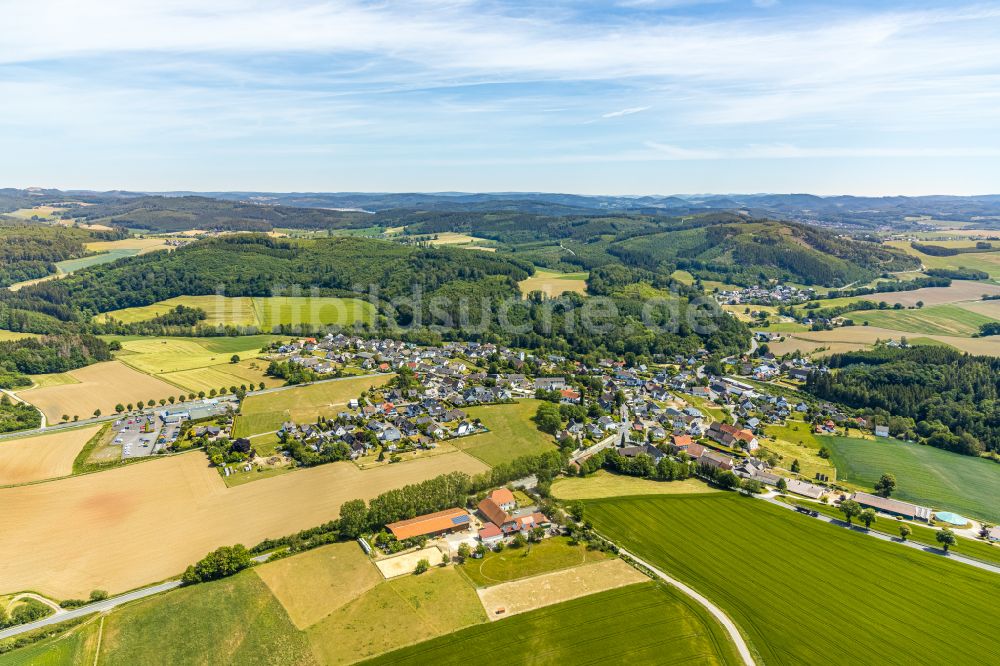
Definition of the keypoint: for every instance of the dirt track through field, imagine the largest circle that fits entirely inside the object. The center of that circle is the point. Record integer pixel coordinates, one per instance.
(135, 525)
(43, 457)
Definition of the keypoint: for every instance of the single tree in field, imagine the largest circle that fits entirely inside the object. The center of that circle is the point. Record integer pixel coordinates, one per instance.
(463, 551)
(119, 408)
(140, 405)
(201, 394)
(422, 566)
(946, 538)
(235, 358)
(97, 413)
(868, 517)
(885, 485)
(192, 396)
(795, 466)
(171, 400)
(904, 531)
(65, 417)
(129, 407)
(850, 509)
(163, 401)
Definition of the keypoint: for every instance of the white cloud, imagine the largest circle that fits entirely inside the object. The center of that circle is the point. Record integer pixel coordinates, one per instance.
(626, 112)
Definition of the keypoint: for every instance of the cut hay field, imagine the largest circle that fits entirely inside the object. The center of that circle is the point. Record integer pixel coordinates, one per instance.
(926, 475)
(42, 456)
(861, 337)
(99, 386)
(553, 284)
(397, 613)
(988, 262)
(520, 596)
(516, 563)
(313, 584)
(6, 336)
(959, 291)
(143, 245)
(263, 312)
(303, 404)
(156, 356)
(829, 595)
(646, 623)
(244, 373)
(512, 433)
(950, 320)
(603, 484)
(126, 515)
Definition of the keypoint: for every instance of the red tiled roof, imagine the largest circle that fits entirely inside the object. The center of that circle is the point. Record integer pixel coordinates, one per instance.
(502, 496)
(493, 512)
(429, 524)
(489, 531)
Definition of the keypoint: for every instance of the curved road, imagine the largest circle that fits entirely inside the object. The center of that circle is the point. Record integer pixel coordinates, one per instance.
(717, 613)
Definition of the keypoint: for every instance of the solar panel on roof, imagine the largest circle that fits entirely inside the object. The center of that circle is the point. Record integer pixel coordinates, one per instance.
(458, 520)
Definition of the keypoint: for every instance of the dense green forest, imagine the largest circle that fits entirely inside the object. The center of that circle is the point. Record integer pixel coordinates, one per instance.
(30, 251)
(17, 415)
(946, 398)
(420, 292)
(166, 214)
(51, 353)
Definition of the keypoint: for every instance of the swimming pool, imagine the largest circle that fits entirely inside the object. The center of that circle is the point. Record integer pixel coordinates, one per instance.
(951, 518)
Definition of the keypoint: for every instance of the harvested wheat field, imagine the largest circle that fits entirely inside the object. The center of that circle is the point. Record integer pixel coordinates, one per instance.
(960, 290)
(99, 386)
(528, 594)
(41, 457)
(144, 245)
(313, 584)
(134, 525)
(860, 337)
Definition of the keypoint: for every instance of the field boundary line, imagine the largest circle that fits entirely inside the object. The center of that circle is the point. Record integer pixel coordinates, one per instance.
(727, 623)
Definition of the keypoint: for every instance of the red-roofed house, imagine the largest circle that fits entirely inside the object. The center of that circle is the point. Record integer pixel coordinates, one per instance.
(490, 535)
(504, 499)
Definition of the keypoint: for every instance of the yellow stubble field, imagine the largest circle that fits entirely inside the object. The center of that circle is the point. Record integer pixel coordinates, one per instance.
(135, 525)
(43, 456)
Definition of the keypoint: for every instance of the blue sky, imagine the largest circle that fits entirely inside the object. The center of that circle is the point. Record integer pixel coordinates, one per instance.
(626, 97)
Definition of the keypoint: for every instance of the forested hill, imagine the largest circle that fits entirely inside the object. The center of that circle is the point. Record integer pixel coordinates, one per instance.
(949, 399)
(723, 246)
(169, 214)
(457, 288)
(29, 251)
(257, 265)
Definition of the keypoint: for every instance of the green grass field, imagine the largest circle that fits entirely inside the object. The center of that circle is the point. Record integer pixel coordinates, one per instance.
(72, 265)
(232, 621)
(932, 320)
(639, 624)
(75, 647)
(513, 563)
(512, 433)
(803, 591)
(302, 404)
(967, 485)
(262, 312)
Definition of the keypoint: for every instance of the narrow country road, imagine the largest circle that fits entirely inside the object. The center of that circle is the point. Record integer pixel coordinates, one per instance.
(97, 607)
(951, 555)
(717, 613)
